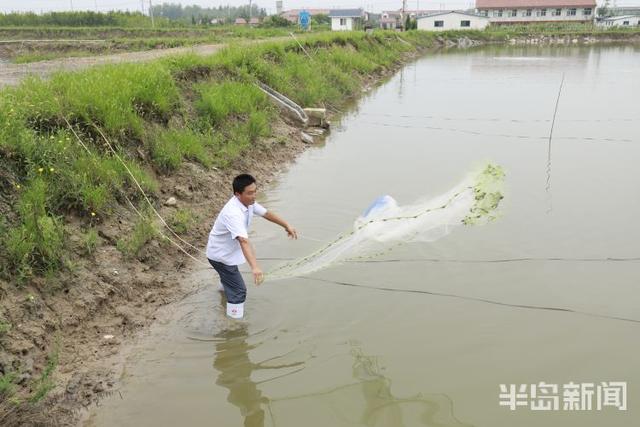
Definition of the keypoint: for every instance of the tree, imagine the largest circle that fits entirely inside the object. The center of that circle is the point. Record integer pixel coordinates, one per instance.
(321, 19)
(276, 21)
(604, 10)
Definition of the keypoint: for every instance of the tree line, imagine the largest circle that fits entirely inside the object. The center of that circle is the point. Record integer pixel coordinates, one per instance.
(202, 15)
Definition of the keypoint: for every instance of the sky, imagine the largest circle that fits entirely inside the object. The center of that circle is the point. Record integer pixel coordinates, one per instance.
(371, 5)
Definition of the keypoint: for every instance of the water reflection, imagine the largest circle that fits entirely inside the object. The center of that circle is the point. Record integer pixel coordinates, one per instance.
(236, 368)
(369, 401)
(382, 408)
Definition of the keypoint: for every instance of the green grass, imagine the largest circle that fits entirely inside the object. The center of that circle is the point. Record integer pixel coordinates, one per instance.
(5, 327)
(38, 239)
(559, 29)
(7, 385)
(90, 241)
(43, 385)
(182, 221)
(170, 147)
(143, 232)
(156, 115)
(220, 101)
(29, 57)
(119, 39)
(40, 387)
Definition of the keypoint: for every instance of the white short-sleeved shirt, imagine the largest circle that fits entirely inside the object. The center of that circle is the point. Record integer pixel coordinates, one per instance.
(233, 221)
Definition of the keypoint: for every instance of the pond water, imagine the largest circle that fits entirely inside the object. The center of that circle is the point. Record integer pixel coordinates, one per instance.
(319, 353)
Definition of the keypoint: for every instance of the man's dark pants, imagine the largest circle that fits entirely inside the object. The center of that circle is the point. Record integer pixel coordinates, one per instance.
(231, 279)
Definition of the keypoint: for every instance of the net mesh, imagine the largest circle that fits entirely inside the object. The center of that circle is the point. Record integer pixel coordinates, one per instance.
(385, 224)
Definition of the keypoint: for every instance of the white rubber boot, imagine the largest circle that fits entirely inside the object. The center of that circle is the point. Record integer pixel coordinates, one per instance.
(235, 311)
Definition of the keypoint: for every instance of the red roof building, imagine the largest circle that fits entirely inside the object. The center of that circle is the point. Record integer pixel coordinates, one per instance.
(531, 11)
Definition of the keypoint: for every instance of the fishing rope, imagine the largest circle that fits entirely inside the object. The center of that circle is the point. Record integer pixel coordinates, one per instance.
(498, 135)
(144, 194)
(473, 261)
(146, 198)
(553, 122)
(495, 119)
(463, 297)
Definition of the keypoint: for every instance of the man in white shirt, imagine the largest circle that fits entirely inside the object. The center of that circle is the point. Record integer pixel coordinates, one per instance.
(229, 245)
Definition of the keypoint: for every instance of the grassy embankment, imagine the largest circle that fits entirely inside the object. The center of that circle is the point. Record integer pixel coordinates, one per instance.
(57, 191)
(560, 30)
(64, 42)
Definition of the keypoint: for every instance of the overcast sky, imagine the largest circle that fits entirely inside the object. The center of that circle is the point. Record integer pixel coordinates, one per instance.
(105, 5)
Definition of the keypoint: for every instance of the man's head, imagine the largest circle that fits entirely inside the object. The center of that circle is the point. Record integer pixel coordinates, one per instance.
(244, 188)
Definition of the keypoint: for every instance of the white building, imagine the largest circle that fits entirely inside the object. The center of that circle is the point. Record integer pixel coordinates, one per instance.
(347, 19)
(530, 11)
(452, 20)
(620, 21)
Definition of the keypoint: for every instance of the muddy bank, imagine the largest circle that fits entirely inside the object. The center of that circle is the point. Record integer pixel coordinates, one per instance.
(66, 332)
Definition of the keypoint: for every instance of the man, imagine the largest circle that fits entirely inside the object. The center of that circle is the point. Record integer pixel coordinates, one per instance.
(229, 245)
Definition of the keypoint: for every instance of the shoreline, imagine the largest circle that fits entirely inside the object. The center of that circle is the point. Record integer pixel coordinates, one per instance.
(115, 301)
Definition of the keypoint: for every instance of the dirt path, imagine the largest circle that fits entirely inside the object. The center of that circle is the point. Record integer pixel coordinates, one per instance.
(11, 74)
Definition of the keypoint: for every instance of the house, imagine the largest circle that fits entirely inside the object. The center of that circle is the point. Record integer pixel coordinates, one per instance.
(293, 15)
(392, 19)
(254, 21)
(452, 20)
(620, 21)
(413, 13)
(240, 21)
(389, 23)
(626, 10)
(528, 11)
(347, 19)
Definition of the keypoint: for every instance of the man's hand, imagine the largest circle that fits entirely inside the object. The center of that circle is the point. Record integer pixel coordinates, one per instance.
(291, 232)
(258, 276)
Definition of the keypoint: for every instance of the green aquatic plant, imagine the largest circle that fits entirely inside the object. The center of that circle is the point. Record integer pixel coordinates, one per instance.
(488, 192)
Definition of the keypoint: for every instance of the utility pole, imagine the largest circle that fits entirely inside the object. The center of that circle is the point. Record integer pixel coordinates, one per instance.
(71, 3)
(250, 9)
(153, 24)
(402, 19)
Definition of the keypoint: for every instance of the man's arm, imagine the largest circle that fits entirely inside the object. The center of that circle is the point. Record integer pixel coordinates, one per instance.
(270, 216)
(247, 251)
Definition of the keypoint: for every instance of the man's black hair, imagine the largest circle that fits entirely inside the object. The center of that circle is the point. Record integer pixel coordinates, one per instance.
(241, 182)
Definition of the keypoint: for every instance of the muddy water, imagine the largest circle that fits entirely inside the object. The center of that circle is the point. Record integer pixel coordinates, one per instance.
(316, 353)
